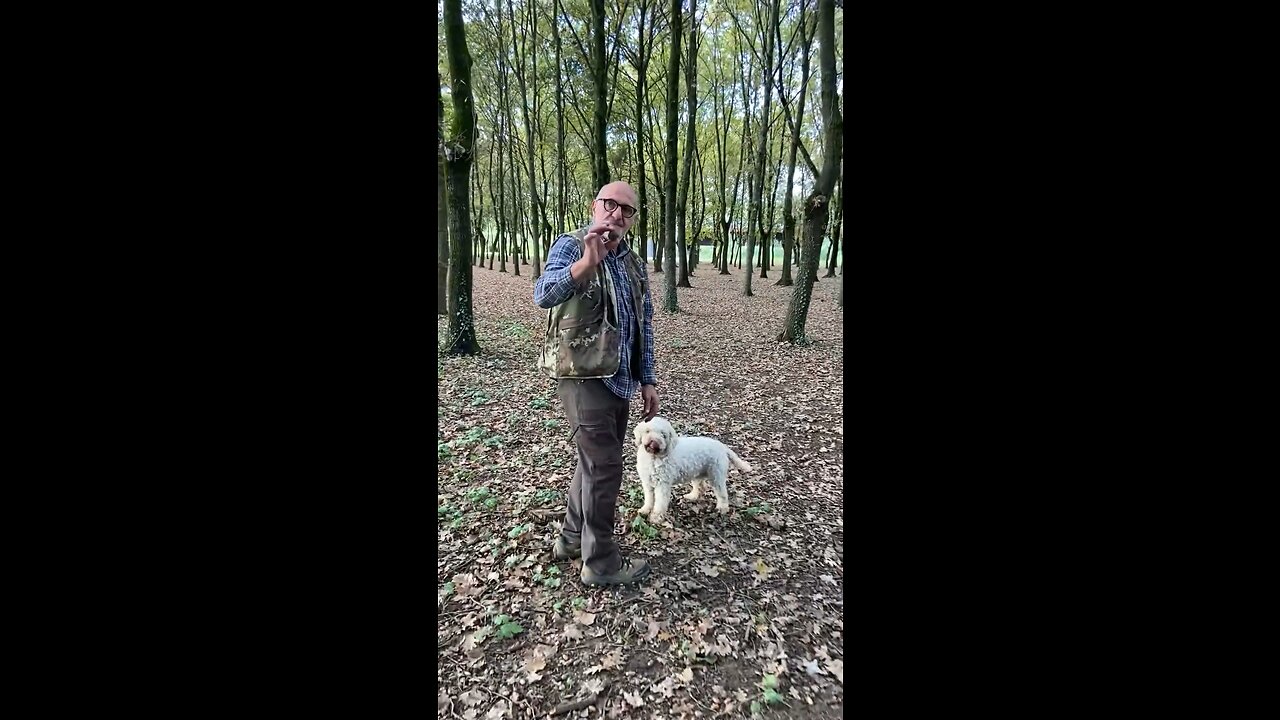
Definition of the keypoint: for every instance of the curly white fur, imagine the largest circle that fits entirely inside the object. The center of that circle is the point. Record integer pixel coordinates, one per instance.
(664, 459)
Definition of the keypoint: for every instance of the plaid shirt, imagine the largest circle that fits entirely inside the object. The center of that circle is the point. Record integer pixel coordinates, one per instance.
(557, 285)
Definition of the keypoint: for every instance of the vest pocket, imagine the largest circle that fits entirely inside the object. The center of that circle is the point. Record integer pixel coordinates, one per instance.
(588, 350)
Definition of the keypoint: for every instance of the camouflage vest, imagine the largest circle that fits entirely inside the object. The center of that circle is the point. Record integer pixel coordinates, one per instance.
(582, 338)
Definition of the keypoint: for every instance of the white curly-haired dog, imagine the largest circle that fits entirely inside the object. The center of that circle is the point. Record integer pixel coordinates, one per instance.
(664, 459)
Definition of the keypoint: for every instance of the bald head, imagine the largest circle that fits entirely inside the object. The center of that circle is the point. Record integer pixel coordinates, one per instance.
(618, 191)
(615, 208)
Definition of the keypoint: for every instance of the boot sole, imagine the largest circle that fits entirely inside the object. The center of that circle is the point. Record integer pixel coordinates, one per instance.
(599, 582)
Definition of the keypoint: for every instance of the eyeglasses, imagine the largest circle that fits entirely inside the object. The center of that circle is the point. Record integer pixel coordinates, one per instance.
(610, 205)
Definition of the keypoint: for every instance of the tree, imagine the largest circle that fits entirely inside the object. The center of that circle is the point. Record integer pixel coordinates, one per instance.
(682, 203)
(457, 152)
(817, 205)
(640, 61)
(442, 211)
(788, 217)
(669, 215)
(522, 57)
(599, 72)
(756, 219)
(835, 229)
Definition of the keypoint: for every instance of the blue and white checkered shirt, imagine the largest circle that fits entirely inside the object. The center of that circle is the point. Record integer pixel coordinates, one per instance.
(556, 285)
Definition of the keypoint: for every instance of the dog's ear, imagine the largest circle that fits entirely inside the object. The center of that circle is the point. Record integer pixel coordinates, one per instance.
(639, 431)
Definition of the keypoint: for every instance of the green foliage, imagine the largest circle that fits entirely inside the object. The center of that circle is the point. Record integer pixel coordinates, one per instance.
(507, 628)
(643, 528)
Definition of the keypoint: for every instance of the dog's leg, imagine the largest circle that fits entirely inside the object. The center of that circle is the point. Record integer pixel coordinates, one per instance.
(646, 484)
(720, 486)
(695, 489)
(661, 501)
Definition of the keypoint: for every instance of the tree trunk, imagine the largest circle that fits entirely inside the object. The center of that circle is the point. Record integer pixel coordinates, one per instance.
(641, 65)
(762, 149)
(530, 119)
(561, 170)
(457, 151)
(817, 206)
(696, 256)
(599, 71)
(669, 216)
(788, 214)
(835, 230)
(442, 212)
(691, 104)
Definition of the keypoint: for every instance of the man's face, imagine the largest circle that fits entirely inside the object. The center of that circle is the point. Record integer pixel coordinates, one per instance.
(623, 201)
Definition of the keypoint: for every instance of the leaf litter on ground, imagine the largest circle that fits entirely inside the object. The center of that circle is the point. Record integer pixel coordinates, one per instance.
(730, 599)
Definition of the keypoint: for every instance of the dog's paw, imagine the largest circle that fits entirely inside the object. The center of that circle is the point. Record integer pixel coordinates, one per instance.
(722, 509)
(646, 509)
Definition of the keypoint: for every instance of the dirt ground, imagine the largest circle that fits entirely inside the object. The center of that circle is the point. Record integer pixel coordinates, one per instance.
(741, 616)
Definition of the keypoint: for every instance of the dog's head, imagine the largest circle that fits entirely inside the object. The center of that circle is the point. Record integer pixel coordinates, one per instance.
(655, 437)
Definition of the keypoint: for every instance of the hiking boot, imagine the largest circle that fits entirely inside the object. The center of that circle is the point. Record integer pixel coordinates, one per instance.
(564, 551)
(631, 571)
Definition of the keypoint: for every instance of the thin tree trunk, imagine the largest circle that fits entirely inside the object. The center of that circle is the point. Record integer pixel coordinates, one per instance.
(835, 230)
(788, 215)
(599, 72)
(696, 256)
(757, 219)
(442, 212)
(691, 105)
(641, 65)
(458, 149)
(561, 171)
(669, 216)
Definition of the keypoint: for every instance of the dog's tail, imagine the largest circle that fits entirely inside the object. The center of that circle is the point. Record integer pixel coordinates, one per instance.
(737, 461)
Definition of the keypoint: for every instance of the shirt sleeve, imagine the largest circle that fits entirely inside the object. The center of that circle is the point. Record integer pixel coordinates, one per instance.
(556, 284)
(648, 375)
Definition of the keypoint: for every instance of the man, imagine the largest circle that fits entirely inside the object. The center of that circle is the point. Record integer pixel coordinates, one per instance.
(599, 348)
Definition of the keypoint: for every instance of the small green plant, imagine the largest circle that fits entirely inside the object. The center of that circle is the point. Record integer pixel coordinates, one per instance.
(539, 404)
(479, 398)
(478, 494)
(519, 530)
(643, 528)
(634, 494)
(514, 418)
(551, 580)
(547, 495)
(494, 441)
(579, 603)
(550, 424)
(474, 435)
(506, 627)
(515, 329)
(449, 514)
(769, 692)
(448, 588)
(443, 451)
(761, 507)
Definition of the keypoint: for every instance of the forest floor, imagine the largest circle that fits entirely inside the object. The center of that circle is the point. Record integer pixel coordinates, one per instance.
(741, 615)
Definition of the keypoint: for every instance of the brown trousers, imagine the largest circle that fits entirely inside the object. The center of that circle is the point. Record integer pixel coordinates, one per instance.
(598, 421)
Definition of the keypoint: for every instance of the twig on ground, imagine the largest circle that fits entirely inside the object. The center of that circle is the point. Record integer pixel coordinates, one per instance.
(579, 704)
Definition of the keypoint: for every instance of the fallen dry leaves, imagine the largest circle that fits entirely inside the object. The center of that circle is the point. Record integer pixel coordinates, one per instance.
(731, 600)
